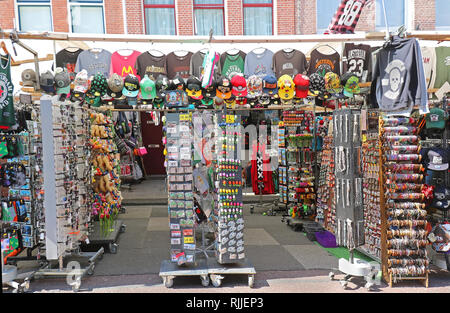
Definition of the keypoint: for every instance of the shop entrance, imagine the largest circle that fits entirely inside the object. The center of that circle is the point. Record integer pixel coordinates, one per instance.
(151, 136)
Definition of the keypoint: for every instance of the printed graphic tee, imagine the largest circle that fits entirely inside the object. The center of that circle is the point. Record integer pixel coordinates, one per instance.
(429, 64)
(94, 62)
(197, 65)
(324, 63)
(178, 65)
(289, 62)
(258, 64)
(442, 66)
(232, 64)
(68, 59)
(124, 64)
(151, 65)
(357, 59)
(7, 117)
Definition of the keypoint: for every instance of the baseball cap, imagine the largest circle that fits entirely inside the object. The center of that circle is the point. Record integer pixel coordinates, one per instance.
(62, 81)
(148, 88)
(254, 86)
(29, 78)
(239, 86)
(99, 85)
(270, 85)
(130, 86)
(81, 82)
(210, 91)
(438, 159)
(441, 197)
(301, 85)
(223, 89)
(350, 82)
(286, 87)
(194, 88)
(47, 81)
(178, 83)
(333, 84)
(435, 119)
(316, 84)
(115, 86)
(162, 84)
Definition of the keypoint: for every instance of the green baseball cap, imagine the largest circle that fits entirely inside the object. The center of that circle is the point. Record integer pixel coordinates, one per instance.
(435, 119)
(351, 84)
(148, 88)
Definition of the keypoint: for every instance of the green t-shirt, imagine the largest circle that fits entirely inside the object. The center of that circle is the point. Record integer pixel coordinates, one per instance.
(233, 64)
(442, 66)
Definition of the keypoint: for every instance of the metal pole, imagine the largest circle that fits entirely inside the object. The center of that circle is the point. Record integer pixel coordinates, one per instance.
(385, 21)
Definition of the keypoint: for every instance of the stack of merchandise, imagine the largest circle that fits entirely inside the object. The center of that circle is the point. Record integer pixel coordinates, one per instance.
(371, 191)
(180, 187)
(229, 209)
(105, 160)
(406, 235)
(326, 184)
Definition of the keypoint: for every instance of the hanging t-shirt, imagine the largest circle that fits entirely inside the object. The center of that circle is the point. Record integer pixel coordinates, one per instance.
(68, 59)
(289, 63)
(196, 67)
(429, 64)
(7, 117)
(232, 64)
(324, 63)
(259, 64)
(124, 64)
(94, 62)
(261, 171)
(442, 66)
(178, 65)
(153, 66)
(357, 59)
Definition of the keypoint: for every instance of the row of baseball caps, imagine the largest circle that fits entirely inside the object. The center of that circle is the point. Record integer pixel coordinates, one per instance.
(286, 87)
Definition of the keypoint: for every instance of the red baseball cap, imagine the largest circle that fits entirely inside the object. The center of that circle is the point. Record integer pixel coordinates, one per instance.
(301, 85)
(239, 86)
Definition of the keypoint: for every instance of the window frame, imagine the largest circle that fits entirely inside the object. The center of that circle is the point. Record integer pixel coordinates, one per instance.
(91, 3)
(406, 17)
(160, 6)
(257, 5)
(210, 6)
(23, 3)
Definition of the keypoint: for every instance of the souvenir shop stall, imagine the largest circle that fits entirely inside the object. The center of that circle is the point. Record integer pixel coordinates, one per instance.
(360, 136)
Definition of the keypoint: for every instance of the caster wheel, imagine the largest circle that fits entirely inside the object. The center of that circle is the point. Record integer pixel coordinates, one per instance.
(123, 228)
(369, 286)
(90, 272)
(168, 282)
(252, 209)
(331, 275)
(217, 282)
(76, 286)
(344, 284)
(113, 248)
(251, 280)
(205, 281)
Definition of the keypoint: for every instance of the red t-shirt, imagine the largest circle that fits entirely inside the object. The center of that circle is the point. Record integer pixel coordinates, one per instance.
(124, 64)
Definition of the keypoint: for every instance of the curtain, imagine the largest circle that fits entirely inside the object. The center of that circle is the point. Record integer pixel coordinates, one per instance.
(257, 21)
(35, 18)
(87, 19)
(160, 21)
(205, 19)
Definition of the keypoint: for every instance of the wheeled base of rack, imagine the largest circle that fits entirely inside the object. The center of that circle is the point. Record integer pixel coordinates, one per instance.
(216, 271)
(108, 240)
(170, 270)
(74, 274)
(357, 268)
(9, 277)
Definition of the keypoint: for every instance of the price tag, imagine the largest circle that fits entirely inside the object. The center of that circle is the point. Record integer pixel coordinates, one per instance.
(185, 117)
(188, 239)
(230, 119)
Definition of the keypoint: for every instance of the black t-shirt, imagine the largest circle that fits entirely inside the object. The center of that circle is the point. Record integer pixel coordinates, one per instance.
(323, 63)
(357, 59)
(68, 59)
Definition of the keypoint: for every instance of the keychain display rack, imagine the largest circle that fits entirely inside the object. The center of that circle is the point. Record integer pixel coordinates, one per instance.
(403, 214)
(325, 190)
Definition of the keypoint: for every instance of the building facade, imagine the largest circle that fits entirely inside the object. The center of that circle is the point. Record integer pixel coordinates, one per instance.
(225, 17)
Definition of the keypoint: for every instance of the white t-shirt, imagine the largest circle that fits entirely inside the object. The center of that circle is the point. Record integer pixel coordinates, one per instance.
(429, 64)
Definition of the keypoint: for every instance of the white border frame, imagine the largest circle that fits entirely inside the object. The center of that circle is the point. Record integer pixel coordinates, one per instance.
(37, 3)
(93, 4)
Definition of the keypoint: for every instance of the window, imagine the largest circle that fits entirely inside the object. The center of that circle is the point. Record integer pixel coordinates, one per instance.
(258, 16)
(395, 11)
(87, 16)
(442, 15)
(208, 14)
(325, 10)
(34, 15)
(159, 17)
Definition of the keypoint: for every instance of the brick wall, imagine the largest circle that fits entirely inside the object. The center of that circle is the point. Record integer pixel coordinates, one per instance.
(424, 14)
(185, 21)
(235, 17)
(135, 11)
(6, 22)
(306, 17)
(114, 16)
(59, 14)
(286, 17)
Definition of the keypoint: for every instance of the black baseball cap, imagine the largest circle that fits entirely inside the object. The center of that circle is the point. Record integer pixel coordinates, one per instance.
(162, 84)
(131, 86)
